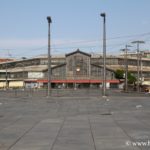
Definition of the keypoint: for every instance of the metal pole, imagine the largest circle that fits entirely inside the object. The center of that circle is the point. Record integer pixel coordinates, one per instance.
(23, 74)
(126, 70)
(126, 66)
(74, 73)
(104, 53)
(141, 73)
(138, 63)
(49, 59)
(6, 77)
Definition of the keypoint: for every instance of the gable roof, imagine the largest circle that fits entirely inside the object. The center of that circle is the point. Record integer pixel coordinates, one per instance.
(78, 51)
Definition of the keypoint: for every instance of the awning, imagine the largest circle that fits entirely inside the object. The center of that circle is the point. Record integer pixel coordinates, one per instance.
(13, 84)
(2, 84)
(146, 83)
(79, 81)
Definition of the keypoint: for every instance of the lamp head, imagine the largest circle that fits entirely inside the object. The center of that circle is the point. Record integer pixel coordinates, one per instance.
(103, 14)
(49, 19)
(140, 42)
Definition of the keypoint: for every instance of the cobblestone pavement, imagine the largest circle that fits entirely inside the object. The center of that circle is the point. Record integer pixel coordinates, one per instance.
(80, 121)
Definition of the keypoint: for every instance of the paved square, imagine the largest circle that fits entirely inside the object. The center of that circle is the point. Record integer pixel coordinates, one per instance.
(80, 121)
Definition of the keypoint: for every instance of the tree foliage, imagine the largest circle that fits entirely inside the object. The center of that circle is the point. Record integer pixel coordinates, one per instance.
(120, 74)
(131, 78)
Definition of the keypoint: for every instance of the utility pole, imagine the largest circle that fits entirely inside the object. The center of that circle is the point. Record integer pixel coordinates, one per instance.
(6, 76)
(138, 63)
(141, 64)
(49, 58)
(126, 66)
(104, 53)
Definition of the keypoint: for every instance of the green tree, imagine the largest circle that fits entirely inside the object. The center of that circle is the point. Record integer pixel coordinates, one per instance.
(131, 78)
(119, 74)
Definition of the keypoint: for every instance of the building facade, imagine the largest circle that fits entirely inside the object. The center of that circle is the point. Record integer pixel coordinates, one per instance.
(74, 70)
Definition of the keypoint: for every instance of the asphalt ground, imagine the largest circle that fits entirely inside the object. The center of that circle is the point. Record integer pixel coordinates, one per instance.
(74, 120)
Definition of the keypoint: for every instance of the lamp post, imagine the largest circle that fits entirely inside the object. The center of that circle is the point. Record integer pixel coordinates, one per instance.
(138, 61)
(126, 66)
(104, 53)
(49, 58)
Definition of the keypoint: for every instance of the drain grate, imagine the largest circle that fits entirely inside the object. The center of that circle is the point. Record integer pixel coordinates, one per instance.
(106, 114)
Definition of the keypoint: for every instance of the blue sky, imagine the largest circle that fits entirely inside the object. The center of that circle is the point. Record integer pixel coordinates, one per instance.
(75, 24)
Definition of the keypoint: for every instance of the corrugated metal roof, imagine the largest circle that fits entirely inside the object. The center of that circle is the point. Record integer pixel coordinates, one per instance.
(130, 68)
(36, 68)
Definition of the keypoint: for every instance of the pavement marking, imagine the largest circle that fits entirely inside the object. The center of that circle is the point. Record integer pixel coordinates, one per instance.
(139, 106)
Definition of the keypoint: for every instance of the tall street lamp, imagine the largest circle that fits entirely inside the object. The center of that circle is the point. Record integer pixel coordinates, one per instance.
(138, 62)
(49, 57)
(104, 53)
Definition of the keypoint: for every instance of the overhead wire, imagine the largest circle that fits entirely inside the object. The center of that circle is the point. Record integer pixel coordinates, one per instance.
(80, 44)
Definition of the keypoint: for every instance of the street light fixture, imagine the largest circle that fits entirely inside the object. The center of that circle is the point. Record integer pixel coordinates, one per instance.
(104, 53)
(49, 58)
(138, 61)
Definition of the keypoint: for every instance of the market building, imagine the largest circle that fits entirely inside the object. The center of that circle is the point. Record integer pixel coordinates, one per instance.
(74, 70)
